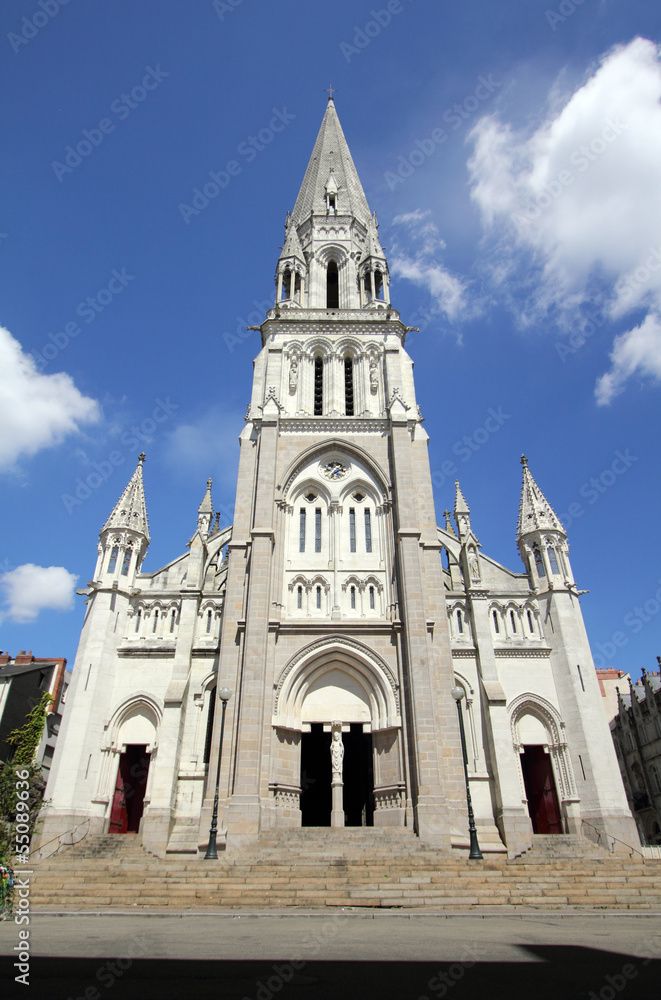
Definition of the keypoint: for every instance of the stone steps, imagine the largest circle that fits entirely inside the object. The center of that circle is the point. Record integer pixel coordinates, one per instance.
(292, 868)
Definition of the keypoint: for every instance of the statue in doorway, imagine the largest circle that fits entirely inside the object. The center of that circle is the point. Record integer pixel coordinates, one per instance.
(337, 753)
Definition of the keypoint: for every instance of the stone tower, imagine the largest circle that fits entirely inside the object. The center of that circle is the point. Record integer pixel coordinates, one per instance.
(334, 614)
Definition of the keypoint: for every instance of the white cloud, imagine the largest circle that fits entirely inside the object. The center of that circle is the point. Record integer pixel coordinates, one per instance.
(36, 411)
(637, 350)
(423, 267)
(29, 589)
(578, 200)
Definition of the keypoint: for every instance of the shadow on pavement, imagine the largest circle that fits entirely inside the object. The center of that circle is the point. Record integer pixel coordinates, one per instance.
(553, 973)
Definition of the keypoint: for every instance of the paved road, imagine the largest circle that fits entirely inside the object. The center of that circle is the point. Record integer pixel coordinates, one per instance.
(389, 956)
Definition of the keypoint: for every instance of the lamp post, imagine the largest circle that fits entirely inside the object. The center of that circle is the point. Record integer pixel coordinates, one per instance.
(224, 694)
(475, 854)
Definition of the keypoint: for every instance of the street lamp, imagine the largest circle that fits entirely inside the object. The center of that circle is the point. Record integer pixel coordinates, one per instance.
(475, 854)
(224, 694)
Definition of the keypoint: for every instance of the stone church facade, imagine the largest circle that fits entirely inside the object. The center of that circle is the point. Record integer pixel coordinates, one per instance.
(335, 609)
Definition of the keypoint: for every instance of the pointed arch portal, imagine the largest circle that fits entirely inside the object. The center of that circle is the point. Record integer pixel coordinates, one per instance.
(336, 690)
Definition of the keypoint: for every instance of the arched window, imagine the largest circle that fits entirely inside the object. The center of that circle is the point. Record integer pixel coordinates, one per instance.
(138, 620)
(301, 530)
(513, 621)
(299, 597)
(539, 562)
(317, 529)
(368, 530)
(495, 622)
(173, 619)
(352, 529)
(209, 617)
(319, 597)
(372, 598)
(112, 562)
(353, 597)
(318, 386)
(460, 624)
(332, 286)
(378, 285)
(530, 623)
(286, 285)
(127, 561)
(348, 386)
(553, 562)
(155, 625)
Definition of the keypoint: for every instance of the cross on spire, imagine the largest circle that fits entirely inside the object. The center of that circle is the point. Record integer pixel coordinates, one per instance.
(330, 92)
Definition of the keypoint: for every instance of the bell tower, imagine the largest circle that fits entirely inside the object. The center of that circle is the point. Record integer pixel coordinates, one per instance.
(334, 618)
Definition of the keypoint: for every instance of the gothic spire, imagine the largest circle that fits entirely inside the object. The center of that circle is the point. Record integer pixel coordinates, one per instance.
(206, 507)
(331, 163)
(205, 512)
(130, 511)
(461, 512)
(535, 512)
(292, 247)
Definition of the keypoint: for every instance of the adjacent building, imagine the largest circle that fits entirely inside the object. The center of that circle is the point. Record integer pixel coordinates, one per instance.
(23, 681)
(636, 731)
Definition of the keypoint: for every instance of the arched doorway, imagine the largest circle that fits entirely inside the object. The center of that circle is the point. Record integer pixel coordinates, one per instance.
(336, 702)
(343, 703)
(134, 740)
(537, 772)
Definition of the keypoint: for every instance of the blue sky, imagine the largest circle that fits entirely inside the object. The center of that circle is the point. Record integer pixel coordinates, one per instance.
(511, 153)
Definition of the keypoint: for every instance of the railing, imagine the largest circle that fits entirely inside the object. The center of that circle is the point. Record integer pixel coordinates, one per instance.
(613, 840)
(40, 856)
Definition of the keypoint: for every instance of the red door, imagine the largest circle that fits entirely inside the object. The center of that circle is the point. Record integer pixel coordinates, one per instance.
(128, 800)
(540, 790)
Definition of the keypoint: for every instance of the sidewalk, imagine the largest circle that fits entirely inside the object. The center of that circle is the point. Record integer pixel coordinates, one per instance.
(389, 956)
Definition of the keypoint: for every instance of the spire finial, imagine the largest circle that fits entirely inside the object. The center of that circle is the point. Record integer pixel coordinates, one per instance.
(142, 457)
(330, 92)
(524, 461)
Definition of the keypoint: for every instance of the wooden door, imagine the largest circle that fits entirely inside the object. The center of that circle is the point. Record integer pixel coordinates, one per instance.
(540, 790)
(130, 786)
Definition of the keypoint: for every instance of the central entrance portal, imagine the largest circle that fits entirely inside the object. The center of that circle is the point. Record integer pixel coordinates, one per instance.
(316, 777)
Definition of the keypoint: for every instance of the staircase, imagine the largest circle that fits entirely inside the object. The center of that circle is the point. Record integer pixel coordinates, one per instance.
(336, 868)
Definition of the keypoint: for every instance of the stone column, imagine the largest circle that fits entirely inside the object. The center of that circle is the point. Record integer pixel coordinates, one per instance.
(337, 782)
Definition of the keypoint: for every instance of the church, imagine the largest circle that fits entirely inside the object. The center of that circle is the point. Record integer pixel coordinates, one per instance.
(336, 610)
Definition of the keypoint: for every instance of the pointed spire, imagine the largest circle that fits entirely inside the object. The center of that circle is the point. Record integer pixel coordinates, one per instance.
(206, 507)
(460, 505)
(535, 512)
(461, 512)
(292, 247)
(331, 152)
(205, 512)
(130, 511)
(372, 245)
(449, 527)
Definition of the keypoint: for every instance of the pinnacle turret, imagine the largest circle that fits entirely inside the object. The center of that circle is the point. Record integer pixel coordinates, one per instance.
(535, 512)
(130, 511)
(461, 512)
(205, 512)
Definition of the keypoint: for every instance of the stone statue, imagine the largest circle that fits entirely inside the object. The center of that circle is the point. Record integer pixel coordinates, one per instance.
(337, 753)
(474, 565)
(374, 374)
(293, 375)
